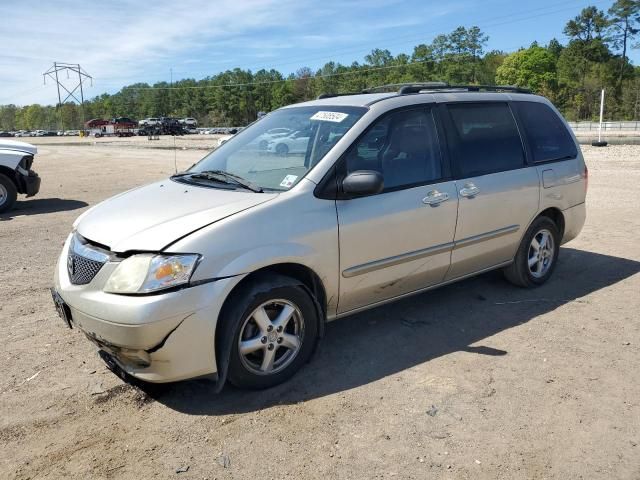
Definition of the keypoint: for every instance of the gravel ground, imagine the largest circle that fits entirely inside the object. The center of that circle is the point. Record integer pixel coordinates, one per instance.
(476, 380)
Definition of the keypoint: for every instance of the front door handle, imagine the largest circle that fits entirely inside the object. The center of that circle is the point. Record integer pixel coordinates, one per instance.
(469, 190)
(435, 198)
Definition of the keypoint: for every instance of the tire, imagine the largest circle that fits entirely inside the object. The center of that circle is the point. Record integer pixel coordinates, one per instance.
(543, 259)
(8, 193)
(263, 145)
(282, 149)
(270, 295)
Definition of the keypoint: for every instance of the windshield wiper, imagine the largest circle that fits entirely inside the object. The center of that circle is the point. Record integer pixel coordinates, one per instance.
(228, 178)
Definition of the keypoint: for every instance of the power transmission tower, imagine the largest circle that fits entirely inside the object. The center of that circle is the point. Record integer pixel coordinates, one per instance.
(83, 76)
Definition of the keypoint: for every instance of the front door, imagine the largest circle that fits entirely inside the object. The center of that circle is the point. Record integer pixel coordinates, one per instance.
(400, 240)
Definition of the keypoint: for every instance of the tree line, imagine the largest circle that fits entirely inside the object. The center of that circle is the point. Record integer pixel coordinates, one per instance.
(571, 75)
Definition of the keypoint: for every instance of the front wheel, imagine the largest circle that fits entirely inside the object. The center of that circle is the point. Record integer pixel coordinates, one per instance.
(537, 255)
(275, 327)
(8, 193)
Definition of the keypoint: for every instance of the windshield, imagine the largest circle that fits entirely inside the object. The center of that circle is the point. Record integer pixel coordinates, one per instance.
(275, 152)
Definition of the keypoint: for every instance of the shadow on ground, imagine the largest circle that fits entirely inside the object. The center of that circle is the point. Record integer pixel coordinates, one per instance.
(372, 345)
(40, 206)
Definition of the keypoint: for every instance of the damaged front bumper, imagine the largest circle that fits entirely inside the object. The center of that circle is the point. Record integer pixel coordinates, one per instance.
(185, 351)
(28, 182)
(157, 338)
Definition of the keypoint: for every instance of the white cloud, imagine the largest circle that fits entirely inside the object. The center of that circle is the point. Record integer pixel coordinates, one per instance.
(126, 41)
(116, 45)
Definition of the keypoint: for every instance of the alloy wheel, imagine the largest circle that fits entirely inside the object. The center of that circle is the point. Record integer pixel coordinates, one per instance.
(271, 337)
(541, 253)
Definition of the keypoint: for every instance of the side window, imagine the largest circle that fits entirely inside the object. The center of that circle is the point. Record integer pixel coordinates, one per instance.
(484, 139)
(403, 146)
(547, 135)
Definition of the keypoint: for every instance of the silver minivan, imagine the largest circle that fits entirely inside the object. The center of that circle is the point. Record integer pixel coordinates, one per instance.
(231, 269)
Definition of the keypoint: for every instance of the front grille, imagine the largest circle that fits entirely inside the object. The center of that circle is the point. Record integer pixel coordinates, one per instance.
(84, 261)
(82, 270)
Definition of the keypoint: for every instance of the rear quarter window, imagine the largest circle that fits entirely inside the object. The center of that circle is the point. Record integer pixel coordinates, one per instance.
(546, 133)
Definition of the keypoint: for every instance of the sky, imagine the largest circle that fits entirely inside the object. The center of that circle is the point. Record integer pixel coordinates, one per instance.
(120, 42)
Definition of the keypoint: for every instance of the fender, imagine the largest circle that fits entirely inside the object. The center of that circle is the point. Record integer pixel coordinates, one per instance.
(11, 158)
(267, 255)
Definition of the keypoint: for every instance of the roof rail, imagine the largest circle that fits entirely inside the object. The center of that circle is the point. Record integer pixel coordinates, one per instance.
(331, 95)
(420, 87)
(411, 88)
(394, 87)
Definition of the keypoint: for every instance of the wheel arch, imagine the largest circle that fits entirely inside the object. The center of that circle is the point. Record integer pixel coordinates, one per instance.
(309, 279)
(10, 174)
(304, 274)
(556, 215)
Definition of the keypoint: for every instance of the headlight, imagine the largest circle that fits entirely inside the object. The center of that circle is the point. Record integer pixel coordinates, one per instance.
(147, 272)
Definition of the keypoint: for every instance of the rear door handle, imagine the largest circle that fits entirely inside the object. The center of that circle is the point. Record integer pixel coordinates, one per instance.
(435, 198)
(469, 190)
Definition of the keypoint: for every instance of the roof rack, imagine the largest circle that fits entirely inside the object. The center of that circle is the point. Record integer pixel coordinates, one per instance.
(411, 88)
(331, 95)
(396, 87)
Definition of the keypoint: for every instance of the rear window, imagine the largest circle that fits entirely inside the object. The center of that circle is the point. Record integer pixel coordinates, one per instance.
(547, 135)
(484, 139)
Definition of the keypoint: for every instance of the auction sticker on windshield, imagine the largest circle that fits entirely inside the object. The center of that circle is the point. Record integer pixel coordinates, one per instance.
(329, 116)
(288, 181)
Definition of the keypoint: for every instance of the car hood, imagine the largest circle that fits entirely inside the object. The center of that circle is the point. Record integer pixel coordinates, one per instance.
(18, 146)
(152, 217)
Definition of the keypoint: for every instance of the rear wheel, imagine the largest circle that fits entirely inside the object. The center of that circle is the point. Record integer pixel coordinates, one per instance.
(8, 193)
(537, 255)
(274, 326)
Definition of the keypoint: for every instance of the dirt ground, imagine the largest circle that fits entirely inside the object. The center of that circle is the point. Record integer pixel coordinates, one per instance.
(476, 380)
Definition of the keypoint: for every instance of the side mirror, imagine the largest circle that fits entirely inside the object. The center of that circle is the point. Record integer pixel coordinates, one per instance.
(362, 183)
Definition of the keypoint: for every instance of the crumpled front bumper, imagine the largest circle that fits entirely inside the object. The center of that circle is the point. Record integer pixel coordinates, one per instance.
(29, 184)
(157, 338)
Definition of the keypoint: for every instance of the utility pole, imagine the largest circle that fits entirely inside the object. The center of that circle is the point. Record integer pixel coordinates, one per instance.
(71, 94)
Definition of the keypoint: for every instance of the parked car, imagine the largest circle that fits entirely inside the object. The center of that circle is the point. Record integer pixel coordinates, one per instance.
(16, 175)
(295, 142)
(262, 142)
(6, 134)
(125, 120)
(149, 122)
(189, 122)
(231, 269)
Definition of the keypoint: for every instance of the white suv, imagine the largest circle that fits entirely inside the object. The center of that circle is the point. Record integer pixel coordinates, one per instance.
(16, 176)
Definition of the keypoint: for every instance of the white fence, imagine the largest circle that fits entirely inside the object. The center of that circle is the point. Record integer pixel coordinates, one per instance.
(606, 126)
